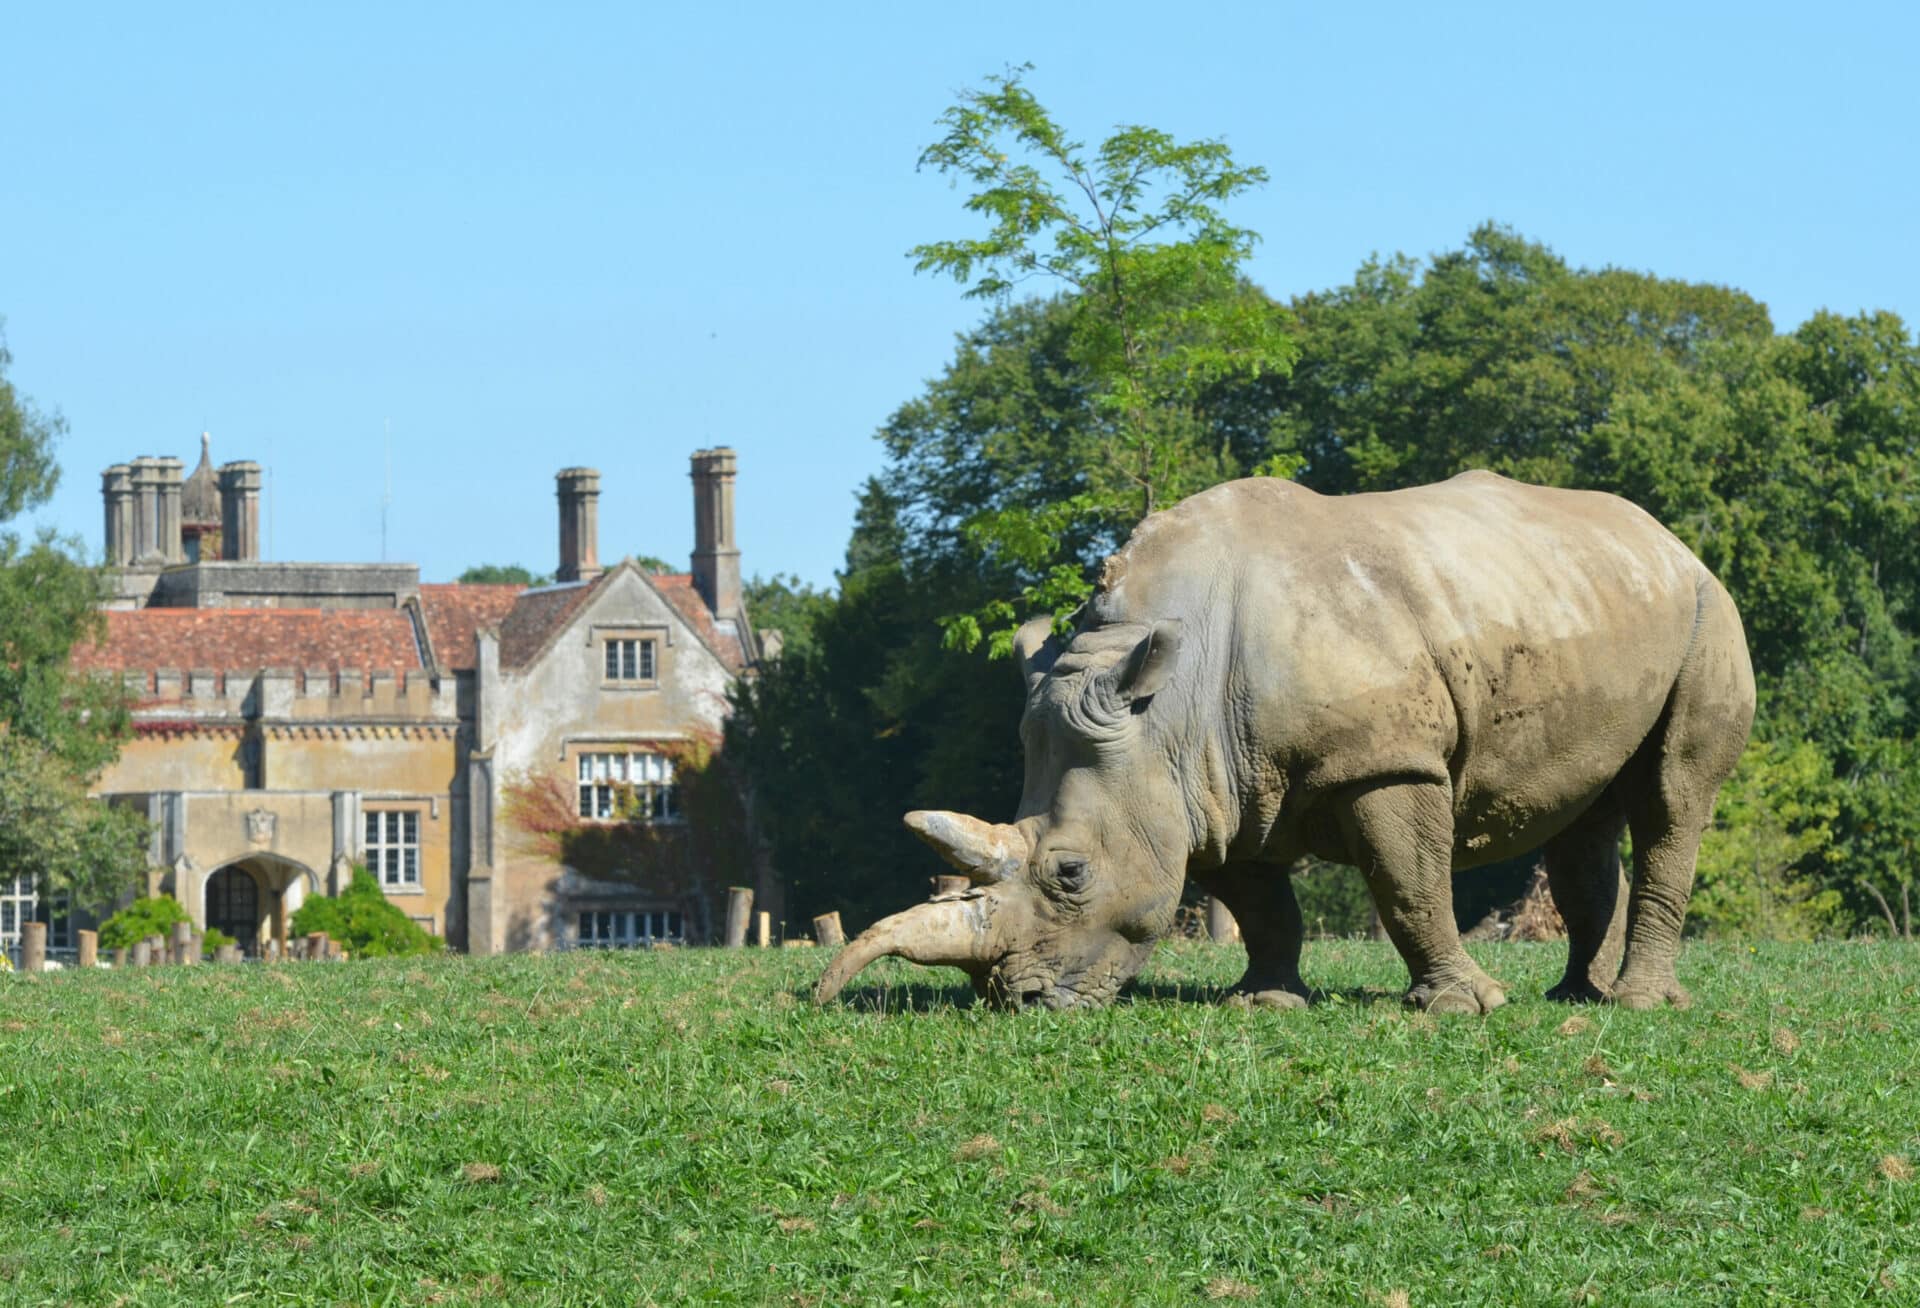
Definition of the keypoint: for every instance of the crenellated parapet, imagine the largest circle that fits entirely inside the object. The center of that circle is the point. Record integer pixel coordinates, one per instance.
(311, 695)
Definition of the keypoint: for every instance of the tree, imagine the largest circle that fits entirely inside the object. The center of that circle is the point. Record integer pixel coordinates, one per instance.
(501, 574)
(1154, 314)
(364, 922)
(57, 730)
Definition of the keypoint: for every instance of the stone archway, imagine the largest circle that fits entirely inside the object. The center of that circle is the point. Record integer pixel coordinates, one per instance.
(280, 886)
(236, 903)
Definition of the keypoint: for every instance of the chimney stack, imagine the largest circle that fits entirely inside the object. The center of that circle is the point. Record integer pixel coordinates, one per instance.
(716, 559)
(240, 511)
(170, 477)
(579, 493)
(116, 488)
(146, 512)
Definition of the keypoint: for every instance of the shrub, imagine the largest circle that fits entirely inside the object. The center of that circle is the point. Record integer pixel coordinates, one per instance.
(153, 916)
(365, 922)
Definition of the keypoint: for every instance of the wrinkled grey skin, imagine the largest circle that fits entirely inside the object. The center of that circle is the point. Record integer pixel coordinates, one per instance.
(1412, 683)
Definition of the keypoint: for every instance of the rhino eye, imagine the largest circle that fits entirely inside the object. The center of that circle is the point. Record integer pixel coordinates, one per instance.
(1074, 873)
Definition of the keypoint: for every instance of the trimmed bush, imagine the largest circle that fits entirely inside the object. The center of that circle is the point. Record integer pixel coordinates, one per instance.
(365, 922)
(153, 916)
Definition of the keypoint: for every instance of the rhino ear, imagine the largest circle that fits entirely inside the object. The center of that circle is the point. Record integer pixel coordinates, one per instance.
(1035, 647)
(1148, 665)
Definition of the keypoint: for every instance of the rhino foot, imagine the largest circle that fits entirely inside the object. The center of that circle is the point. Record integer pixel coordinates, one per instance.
(1636, 993)
(1580, 991)
(1245, 997)
(1458, 992)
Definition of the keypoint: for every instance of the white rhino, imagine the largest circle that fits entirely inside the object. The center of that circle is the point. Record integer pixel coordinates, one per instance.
(1412, 683)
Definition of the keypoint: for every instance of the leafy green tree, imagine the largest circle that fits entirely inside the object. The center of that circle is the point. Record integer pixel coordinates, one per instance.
(790, 606)
(1154, 314)
(364, 921)
(502, 574)
(57, 730)
(654, 563)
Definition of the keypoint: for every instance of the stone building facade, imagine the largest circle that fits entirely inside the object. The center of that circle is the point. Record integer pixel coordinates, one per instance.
(293, 720)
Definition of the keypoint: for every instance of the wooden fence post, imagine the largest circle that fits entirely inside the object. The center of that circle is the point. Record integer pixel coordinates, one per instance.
(89, 948)
(143, 953)
(226, 954)
(182, 941)
(316, 946)
(1220, 924)
(120, 958)
(828, 931)
(763, 928)
(33, 946)
(156, 950)
(739, 909)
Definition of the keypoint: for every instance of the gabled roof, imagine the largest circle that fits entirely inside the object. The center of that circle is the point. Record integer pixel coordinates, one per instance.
(454, 613)
(143, 640)
(539, 615)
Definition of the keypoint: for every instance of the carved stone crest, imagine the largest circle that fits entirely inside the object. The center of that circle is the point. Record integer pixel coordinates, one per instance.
(260, 825)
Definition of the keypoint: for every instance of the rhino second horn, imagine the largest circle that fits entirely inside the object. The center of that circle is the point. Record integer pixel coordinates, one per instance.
(943, 933)
(986, 851)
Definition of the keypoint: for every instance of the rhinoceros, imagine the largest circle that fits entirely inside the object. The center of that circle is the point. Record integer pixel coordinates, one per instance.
(1410, 682)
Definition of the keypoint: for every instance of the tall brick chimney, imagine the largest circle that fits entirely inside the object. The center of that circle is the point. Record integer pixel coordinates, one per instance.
(579, 493)
(116, 489)
(716, 559)
(172, 476)
(240, 511)
(145, 478)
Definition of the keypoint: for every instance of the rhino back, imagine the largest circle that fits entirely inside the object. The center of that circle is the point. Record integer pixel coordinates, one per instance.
(1516, 642)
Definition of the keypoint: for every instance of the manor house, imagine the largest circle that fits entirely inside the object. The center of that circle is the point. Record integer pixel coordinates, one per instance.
(293, 720)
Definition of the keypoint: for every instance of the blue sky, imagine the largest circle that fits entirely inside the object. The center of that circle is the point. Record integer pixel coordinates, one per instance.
(534, 237)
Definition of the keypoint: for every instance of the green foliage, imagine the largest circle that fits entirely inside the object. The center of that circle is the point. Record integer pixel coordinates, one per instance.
(682, 1127)
(789, 606)
(152, 916)
(653, 563)
(1773, 822)
(57, 730)
(502, 574)
(364, 922)
(213, 938)
(1155, 315)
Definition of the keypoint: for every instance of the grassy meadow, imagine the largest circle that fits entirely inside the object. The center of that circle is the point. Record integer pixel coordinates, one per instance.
(684, 1126)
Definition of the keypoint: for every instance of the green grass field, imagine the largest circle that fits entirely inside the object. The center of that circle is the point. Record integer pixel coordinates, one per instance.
(659, 1128)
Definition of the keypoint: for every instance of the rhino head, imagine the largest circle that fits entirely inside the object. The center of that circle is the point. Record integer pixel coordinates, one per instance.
(1066, 900)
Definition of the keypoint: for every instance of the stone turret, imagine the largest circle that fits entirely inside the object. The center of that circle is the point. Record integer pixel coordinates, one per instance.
(200, 518)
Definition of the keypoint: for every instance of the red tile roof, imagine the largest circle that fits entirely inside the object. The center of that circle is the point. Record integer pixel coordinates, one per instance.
(536, 615)
(137, 640)
(455, 613)
(677, 588)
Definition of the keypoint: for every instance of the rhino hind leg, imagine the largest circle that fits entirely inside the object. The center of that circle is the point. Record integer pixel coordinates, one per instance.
(1684, 762)
(1401, 839)
(1583, 872)
(1261, 900)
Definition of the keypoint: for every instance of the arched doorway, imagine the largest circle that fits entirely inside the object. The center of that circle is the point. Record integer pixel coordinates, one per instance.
(233, 905)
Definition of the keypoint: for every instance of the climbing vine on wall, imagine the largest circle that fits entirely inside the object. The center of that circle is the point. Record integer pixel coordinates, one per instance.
(709, 848)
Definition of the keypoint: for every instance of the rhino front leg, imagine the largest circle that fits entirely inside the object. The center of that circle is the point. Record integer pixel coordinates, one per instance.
(1401, 839)
(1262, 902)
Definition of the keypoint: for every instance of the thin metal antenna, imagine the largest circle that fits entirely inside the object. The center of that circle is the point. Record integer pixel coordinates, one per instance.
(386, 496)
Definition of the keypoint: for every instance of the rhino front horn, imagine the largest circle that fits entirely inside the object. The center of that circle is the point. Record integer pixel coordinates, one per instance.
(945, 933)
(986, 851)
